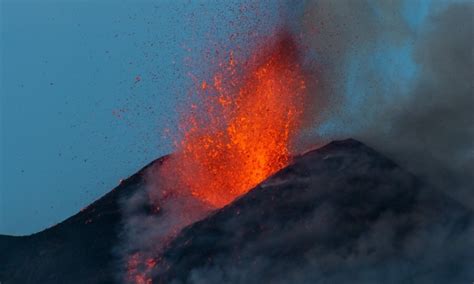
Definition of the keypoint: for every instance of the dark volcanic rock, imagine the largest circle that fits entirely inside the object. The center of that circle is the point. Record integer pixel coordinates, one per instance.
(339, 214)
(78, 250)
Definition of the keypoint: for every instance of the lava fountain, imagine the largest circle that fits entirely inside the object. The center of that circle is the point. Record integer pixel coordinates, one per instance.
(236, 131)
(240, 129)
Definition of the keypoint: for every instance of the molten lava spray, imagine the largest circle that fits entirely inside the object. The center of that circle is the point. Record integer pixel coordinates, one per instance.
(240, 129)
(237, 131)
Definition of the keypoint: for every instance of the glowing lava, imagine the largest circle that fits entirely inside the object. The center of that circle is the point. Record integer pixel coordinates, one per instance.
(236, 131)
(240, 130)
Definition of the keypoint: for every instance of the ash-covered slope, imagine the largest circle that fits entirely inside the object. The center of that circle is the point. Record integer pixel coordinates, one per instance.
(339, 214)
(77, 250)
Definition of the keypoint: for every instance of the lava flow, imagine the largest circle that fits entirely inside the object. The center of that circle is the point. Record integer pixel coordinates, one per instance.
(240, 130)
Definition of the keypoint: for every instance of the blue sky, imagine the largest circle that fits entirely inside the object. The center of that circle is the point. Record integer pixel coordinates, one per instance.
(87, 89)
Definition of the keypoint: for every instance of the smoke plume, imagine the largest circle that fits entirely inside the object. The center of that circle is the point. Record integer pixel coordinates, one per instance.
(153, 217)
(398, 75)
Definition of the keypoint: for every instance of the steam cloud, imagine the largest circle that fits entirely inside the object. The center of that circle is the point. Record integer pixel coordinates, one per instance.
(400, 82)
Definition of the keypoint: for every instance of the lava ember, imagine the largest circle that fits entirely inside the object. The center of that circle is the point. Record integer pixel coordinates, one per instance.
(240, 129)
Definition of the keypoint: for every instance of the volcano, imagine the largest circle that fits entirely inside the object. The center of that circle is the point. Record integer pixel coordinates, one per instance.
(342, 213)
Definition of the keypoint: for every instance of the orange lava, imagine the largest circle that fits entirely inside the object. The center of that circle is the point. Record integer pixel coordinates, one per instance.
(136, 273)
(240, 130)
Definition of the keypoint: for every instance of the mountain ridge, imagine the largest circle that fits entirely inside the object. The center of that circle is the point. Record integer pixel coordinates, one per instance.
(369, 187)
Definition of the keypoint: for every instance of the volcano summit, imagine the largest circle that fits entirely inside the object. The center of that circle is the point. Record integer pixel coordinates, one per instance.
(340, 214)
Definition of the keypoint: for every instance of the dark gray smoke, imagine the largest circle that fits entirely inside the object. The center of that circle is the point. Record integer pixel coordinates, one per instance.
(423, 118)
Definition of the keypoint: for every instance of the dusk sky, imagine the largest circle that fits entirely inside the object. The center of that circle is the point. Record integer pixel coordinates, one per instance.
(89, 87)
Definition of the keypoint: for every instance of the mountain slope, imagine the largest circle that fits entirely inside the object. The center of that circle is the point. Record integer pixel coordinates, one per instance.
(337, 214)
(340, 214)
(77, 250)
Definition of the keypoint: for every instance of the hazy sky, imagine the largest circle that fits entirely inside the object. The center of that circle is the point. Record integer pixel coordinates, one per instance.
(87, 89)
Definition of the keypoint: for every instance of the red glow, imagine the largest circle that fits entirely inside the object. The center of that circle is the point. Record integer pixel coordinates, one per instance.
(241, 130)
(135, 272)
(150, 263)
